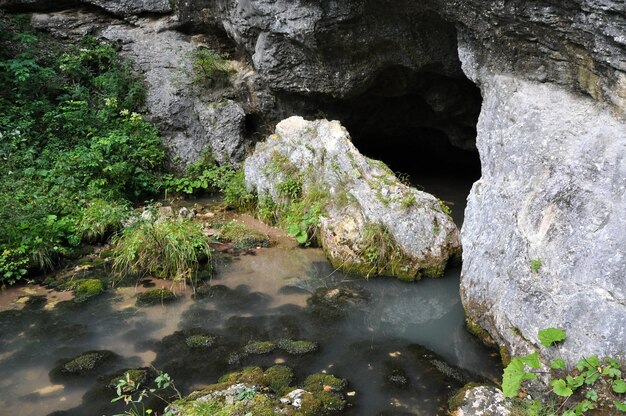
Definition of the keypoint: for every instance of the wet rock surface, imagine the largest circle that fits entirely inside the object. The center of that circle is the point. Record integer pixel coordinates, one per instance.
(481, 401)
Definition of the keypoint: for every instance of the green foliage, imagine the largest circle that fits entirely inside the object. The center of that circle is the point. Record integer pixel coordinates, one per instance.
(100, 219)
(301, 217)
(551, 336)
(535, 265)
(132, 393)
(211, 68)
(170, 249)
(515, 373)
(445, 208)
(69, 135)
(593, 384)
(236, 193)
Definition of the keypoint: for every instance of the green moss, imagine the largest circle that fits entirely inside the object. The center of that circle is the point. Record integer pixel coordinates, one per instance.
(259, 347)
(535, 265)
(316, 382)
(505, 355)
(299, 347)
(249, 375)
(320, 403)
(278, 377)
(479, 332)
(242, 237)
(87, 288)
(155, 297)
(200, 341)
(433, 271)
(85, 362)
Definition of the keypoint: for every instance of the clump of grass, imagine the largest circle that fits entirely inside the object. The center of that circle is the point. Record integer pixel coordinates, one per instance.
(242, 237)
(382, 253)
(170, 249)
(100, 219)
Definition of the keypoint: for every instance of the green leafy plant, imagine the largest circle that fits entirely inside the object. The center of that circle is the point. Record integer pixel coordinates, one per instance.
(594, 384)
(132, 393)
(211, 68)
(242, 236)
(100, 219)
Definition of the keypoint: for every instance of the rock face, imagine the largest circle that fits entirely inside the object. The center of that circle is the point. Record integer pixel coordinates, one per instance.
(543, 235)
(191, 120)
(367, 209)
(480, 401)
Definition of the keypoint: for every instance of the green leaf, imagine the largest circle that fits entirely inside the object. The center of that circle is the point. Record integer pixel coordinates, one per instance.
(584, 406)
(550, 336)
(621, 406)
(619, 386)
(512, 378)
(302, 237)
(559, 387)
(591, 377)
(612, 372)
(592, 395)
(293, 230)
(575, 382)
(558, 364)
(532, 360)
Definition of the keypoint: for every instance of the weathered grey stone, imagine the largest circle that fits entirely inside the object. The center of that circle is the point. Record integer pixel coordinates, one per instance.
(131, 7)
(361, 193)
(552, 193)
(118, 7)
(481, 401)
(191, 120)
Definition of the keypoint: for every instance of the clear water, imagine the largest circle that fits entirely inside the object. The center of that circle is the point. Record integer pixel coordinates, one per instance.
(261, 296)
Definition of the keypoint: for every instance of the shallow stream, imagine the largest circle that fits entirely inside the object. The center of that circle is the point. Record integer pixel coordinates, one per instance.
(403, 347)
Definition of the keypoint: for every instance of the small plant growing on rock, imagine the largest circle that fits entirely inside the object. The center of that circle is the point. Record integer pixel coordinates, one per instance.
(211, 68)
(242, 237)
(535, 265)
(593, 384)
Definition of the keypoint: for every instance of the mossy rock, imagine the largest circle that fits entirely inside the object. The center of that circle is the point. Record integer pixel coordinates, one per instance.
(242, 237)
(259, 347)
(299, 347)
(278, 377)
(84, 363)
(135, 377)
(320, 403)
(155, 297)
(334, 303)
(316, 382)
(87, 288)
(200, 341)
(249, 375)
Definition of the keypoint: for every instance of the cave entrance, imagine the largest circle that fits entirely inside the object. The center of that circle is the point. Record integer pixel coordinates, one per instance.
(421, 124)
(425, 128)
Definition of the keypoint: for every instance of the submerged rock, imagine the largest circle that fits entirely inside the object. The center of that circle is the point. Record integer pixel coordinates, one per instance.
(299, 347)
(370, 222)
(332, 303)
(81, 365)
(155, 297)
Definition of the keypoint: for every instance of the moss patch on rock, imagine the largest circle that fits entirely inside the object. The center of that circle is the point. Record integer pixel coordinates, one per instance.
(155, 297)
(82, 364)
(259, 347)
(200, 341)
(299, 347)
(242, 237)
(87, 288)
(321, 382)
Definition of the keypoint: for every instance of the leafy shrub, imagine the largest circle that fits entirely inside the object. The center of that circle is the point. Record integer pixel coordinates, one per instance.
(594, 383)
(169, 249)
(69, 134)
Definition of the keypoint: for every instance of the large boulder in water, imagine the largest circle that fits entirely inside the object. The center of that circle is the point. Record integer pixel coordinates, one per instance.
(371, 223)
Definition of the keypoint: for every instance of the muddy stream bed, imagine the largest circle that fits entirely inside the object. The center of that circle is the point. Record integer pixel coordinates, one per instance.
(402, 347)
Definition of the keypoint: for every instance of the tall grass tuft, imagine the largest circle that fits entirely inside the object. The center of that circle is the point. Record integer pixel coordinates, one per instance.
(169, 249)
(100, 219)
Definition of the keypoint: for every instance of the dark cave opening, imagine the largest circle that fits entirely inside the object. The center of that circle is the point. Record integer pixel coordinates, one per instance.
(421, 124)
